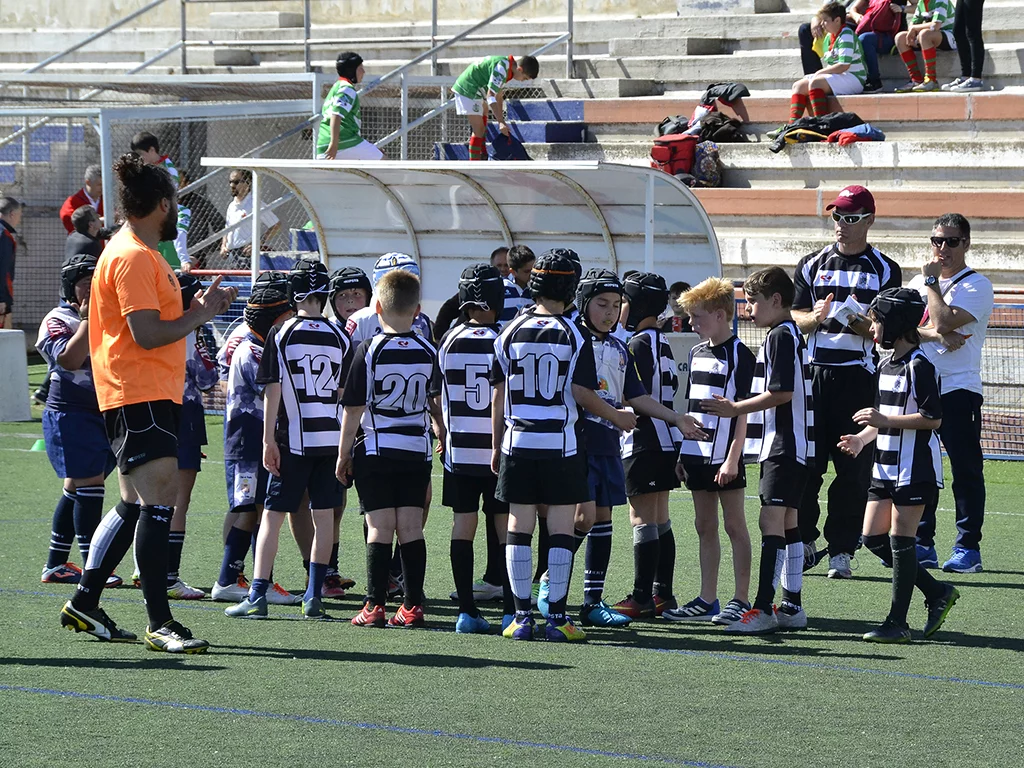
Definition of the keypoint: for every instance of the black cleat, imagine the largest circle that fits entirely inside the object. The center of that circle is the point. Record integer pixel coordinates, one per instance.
(96, 623)
(939, 610)
(890, 632)
(172, 637)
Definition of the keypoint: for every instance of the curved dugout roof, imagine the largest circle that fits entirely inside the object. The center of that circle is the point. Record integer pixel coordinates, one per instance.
(452, 214)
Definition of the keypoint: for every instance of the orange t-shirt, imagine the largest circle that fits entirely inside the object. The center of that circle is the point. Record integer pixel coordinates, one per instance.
(130, 277)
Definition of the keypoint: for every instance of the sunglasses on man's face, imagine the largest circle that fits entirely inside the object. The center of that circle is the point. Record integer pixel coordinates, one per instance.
(849, 218)
(952, 242)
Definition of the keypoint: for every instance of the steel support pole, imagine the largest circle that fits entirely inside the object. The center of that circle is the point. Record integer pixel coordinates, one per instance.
(306, 26)
(107, 163)
(255, 260)
(649, 225)
(405, 118)
(184, 36)
(569, 66)
(433, 36)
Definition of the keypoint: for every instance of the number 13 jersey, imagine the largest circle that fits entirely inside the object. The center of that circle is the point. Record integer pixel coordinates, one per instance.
(392, 375)
(308, 356)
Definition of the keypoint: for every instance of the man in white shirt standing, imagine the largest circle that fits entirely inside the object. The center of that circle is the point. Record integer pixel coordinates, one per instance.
(236, 246)
(959, 304)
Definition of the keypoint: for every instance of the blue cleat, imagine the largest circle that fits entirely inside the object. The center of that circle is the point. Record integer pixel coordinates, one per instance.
(257, 609)
(601, 615)
(927, 557)
(564, 632)
(471, 625)
(521, 628)
(543, 595)
(963, 561)
(507, 619)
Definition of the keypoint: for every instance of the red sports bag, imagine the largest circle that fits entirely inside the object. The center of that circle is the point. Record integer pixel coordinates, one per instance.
(674, 153)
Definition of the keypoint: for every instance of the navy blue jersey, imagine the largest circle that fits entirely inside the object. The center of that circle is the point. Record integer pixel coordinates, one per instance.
(617, 383)
(243, 409)
(69, 390)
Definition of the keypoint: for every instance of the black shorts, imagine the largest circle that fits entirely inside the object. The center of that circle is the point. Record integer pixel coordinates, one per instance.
(388, 483)
(701, 477)
(299, 474)
(782, 482)
(143, 432)
(650, 472)
(913, 495)
(463, 493)
(946, 44)
(557, 481)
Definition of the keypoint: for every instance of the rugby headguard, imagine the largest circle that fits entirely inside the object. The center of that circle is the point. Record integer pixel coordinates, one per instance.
(647, 295)
(481, 286)
(577, 265)
(553, 277)
(267, 304)
(308, 277)
(900, 310)
(349, 277)
(274, 279)
(190, 286)
(390, 261)
(595, 282)
(72, 270)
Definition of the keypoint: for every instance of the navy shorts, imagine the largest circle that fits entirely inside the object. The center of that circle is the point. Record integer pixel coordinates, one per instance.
(468, 493)
(247, 484)
(782, 482)
(913, 495)
(88, 451)
(701, 477)
(388, 483)
(651, 472)
(302, 473)
(606, 479)
(191, 436)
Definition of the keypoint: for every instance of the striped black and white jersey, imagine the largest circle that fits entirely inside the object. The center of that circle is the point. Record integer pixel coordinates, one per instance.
(727, 370)
(861, 276)
(787, 430)
(465, 359)
(392, 375)
(657, 369)
(539, 357)
(516, 299)
(309, 357)
(907, 386)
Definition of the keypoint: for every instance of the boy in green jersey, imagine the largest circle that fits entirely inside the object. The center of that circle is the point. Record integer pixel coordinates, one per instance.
(483, 82)
(338, 137)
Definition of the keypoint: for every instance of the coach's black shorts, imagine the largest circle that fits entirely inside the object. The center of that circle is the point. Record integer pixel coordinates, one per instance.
(143, 432)
(913, 495)
(557, 481)
(701, 477)
(466, 493)
(650, 472)
(782, 482)
(389, 483)
(299, 474)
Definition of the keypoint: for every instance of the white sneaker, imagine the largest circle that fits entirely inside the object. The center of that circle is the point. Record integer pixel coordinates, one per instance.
(755, 622)
(483, 591)
(791, 616)
(278, 595)
(232, 593)
(839, 567)
(182, 591)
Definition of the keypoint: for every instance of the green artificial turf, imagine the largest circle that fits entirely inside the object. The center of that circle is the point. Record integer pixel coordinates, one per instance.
(285, 692)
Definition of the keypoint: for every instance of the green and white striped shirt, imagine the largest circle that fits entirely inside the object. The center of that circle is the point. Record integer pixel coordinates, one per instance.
(846, 49)
(935, 10)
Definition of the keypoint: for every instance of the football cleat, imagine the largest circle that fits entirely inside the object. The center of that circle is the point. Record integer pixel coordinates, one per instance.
(332, 587)
(95, 623)
(396, 588)
(172, 637)
(544, 596)
(521, 628)
(634, 610)
(483, 591)
(732, 612)
(407, 617)
(507, 619)
(889, 632)
(232, 593)
(313, 609)
(939, 610)
(791, 616)
(564, 632)
(370, 616)
(136, 580)
(255, 609)
(65, 573)
(278, 595)
(662, 604)
(182, 591)
(755, 622)
(113, 580)
(695, 610)
(600, 615)
(471, 625)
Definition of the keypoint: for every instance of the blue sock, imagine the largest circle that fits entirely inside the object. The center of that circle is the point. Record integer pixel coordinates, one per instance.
(235, 548)
(317, 574)
(258, 589)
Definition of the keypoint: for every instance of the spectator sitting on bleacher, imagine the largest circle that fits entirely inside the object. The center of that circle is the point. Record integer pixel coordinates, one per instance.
(339, 137)
(931, 29)
(90, 194)
(843, 73)
(85, 237)
(881, 21)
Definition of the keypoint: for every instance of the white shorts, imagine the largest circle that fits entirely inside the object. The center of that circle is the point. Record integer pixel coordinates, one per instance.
(362, 151)
(843, 84)
(467, 106)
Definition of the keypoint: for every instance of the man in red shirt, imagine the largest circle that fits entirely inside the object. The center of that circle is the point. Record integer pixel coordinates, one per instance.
(91, 193)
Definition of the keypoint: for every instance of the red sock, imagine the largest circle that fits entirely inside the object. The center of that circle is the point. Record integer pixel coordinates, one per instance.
(477, 148)
(928, 54)
(797, 105)
(819, 102)
(910, 59)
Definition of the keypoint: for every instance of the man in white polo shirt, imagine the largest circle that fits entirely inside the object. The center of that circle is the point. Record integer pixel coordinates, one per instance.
(959, 304)
(236, 246)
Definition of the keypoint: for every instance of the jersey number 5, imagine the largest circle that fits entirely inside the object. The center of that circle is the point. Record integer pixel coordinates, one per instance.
(478, 387)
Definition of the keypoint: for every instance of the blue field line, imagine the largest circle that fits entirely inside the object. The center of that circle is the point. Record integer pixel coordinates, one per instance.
(309, 720)
(717, 656)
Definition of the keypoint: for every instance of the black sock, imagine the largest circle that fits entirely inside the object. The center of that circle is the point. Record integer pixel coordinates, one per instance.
(414, 566)
(111, 541)
(88, 513)
(771, 546)
(305, 567)
(175, 543)
(395, 567)
(462, 571)
(666, 560)
(543, 547)
(332, 564)
(151, 548)
(495, 553)
(595, 562)
(882, 546)
(645, 561)
(62, 530)
(378, 557)
(904, 570)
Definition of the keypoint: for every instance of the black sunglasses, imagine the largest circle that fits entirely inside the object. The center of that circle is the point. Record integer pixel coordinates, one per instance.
(952, 242)
(849, 218)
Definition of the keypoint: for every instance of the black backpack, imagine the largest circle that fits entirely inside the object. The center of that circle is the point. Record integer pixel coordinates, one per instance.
(673, 125)
(721, 129)
(824, 125)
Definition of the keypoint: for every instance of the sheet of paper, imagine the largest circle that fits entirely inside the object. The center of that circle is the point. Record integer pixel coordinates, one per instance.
(849, 310)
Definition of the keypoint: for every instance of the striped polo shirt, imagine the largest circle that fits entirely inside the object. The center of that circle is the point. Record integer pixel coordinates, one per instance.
(657, 369)
(846, 49)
